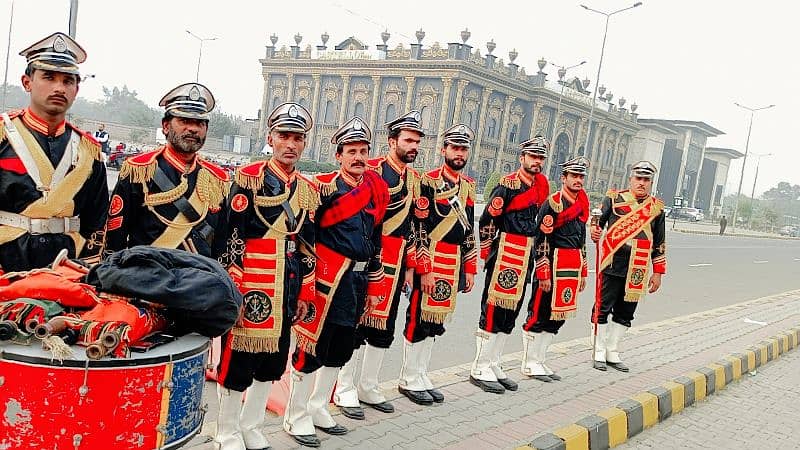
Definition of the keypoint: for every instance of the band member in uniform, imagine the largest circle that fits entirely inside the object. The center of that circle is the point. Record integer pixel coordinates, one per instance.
(507, 229)
(635, 237)
(349, 277)
(376, 330)
(171, 197)
(446, 261)
(53, 188)
(561, 267)
(269, 254)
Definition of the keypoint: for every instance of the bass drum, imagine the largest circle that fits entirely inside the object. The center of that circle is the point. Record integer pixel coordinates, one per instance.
(152, 400)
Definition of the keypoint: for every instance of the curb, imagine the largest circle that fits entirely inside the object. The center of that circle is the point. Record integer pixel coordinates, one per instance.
(754, 236)
(613, 426)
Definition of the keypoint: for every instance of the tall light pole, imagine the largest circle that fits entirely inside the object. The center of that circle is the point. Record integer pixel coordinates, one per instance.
(600, 65)
(562, 72)
(73, 18)
(753, 193)
(744, 160)
(8, 51)
(200, 55)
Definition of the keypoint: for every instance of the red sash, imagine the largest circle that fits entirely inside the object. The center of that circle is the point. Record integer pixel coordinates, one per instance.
(391, 255)
(510, 270)
(372, 188)
(536, 195)
(330, 268)
(446, 267)
(578, 209)
(567, 263)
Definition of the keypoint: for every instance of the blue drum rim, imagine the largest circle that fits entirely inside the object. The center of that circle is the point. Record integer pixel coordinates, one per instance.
(113, 362)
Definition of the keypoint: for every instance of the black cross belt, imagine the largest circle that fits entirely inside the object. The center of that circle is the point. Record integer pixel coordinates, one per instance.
(165, 184)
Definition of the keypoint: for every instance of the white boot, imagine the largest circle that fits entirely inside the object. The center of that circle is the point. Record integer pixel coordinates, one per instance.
(482, 364)
(425, 362)
(615, 333)
(533, 366)
(410, 372)
(495, 364)
(547, 340)
(345, 394)
(297, 419)
(599, 355)
(368, 390)
(320, 397)
(230, 406)
(253, 412)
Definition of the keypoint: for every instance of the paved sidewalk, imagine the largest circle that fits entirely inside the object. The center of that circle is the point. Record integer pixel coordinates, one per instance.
(758, 412)
(710, 228)
(470, 418)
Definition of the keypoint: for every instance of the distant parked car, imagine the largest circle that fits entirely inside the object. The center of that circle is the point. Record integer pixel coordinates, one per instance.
(690, 214)
(789, 230)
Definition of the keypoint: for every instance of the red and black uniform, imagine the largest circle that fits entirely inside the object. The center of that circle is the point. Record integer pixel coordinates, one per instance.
(144, 205)
(268, 255)
(507, 229)
(67, 211)
(444, 220)
(561, 238)
(398, 250)
(348, 244)
(627, 253)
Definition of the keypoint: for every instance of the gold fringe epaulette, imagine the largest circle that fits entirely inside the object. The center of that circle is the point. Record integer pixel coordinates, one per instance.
(140, 168)
(308, 194)
(91, 147)
(432, 178)
(210, 188)
(413, 180)
(326, 183)
(555, 202)
(511, 181)
(251, 176)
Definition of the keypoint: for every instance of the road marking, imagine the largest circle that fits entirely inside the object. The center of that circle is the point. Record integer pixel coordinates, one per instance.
(700, 265)
(760, 262)
(755, 322)
(797, 259)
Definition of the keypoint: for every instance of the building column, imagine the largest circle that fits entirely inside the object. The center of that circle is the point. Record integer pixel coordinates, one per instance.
(289, 87)
(462, 84)
(447, 83)
(504, 127)
(682, 172)
(315, 93)
(614, 156)
(262, 123)
(373, 112)
(697, 180)
(537, 110)
(481, 124)
(600, 130)
(345, 98)
(410, 81)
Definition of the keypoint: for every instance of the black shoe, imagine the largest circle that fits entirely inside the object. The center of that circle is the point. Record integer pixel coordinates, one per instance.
(418, 397)
(436, 395)
(336, 430)
(262, 448)
(543, 378)
(599, 365)
(508, 383)
(353, 412)
(619, 366)
(384, 407)
(306, 440)
(555, 377)
(492, 387)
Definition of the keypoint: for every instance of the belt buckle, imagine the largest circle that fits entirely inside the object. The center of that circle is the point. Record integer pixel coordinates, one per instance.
(360, 266)
(291, 246)
(36, 227)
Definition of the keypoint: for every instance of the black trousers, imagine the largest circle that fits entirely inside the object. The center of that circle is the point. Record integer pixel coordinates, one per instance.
(416, 329)
(612, 295)
(539, 309)
(334, 348)
(238, 369)
(495, 319)
(377, 337)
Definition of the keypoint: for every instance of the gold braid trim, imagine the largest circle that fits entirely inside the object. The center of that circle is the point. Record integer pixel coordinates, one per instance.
(2, 131)
(211, 189)
(266, 202)
(251, 182)
(396, 189)
(138, 174)
(413, 180)
(308, 196)
(427, 180)
(509, 183)
(557, 207)
(162, 198)
(472, 190)
(89, 147)
(328, 188)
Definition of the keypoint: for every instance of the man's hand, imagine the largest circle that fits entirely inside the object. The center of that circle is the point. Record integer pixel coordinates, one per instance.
(240, 319)
(595, 233)
(655, 282)
(302, 311)
(545, 285)
(372, 302)
(408, 282)
(426, 282)
(470, 279)
(582, 286)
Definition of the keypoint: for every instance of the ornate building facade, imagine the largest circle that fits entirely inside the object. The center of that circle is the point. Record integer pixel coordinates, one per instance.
(449, 84)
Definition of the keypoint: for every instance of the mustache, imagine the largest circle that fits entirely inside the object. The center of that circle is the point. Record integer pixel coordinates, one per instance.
(57, 96)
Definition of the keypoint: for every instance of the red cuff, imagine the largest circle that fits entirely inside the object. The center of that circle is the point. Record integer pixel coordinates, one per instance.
(585, 270)
(411, 260)
(377, 288)
(308, 289)
(484, 253)
(543, 272)
(660, 267)
(423, 265)
(471, 266)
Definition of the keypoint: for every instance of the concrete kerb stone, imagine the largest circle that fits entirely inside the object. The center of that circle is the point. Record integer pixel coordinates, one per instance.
(613, 426)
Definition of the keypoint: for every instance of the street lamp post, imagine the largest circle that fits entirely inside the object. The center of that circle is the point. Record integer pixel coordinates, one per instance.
(8, 51)
(753, 193)
(562, 72)
(200, 54)
(600, 65)
(744, 160)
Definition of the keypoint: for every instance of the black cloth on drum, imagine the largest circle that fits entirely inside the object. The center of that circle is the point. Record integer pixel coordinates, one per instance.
(199, 294)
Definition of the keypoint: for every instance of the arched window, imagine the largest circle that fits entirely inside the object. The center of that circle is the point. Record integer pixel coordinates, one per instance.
(491, 129)
(581, 151)
(275, 102)
(506, 168)
(486, 166)
(330, 113)
(512, 136)
(425, 118)
(303, 102)
(359, 110)
(468, 116)
(391, 112)
(560, 154)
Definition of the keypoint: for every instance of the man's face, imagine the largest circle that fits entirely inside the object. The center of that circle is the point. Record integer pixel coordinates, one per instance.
(287, 147)
(353, 158)
(185, 135)
(101, 127)
(573, 182)
(405, 146)
(52, 93)
(532, 164)
(455, 156)
(640, 186)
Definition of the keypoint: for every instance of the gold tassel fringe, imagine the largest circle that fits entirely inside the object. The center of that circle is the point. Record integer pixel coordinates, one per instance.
(327, 189)
(434, 317)
(562, 315)
(211, 189)
(374, 322)
(505, 303)
(137, 174)
(632, 297)
(305, 344)
(90, 148)
(254, 183)
(309, 197)
(509, 183)
(254, 344)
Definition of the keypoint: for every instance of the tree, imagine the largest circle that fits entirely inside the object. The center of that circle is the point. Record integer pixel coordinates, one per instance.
(221, 124)
(491, 183)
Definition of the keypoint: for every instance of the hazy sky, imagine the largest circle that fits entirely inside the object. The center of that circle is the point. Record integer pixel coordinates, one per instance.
(677, 59)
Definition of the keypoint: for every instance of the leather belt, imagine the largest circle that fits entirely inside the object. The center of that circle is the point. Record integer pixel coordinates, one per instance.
(55, 225)
(359, 266)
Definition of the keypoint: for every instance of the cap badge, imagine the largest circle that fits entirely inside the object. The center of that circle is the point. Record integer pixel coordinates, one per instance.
(292, 111)
(194, 93)
(357, 125)
(416, 116)
(59, 45)
(462, 129)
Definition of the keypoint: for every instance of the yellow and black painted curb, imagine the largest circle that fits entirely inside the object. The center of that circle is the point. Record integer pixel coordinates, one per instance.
(613, 426)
